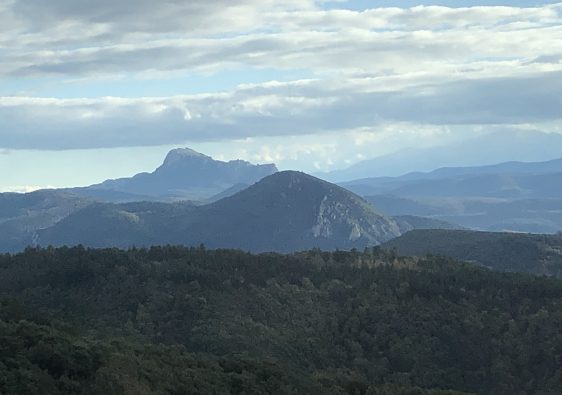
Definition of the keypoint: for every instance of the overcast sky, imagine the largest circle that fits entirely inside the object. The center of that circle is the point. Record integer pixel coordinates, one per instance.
(96, 89)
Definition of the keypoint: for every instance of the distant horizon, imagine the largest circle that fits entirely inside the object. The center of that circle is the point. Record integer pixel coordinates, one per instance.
(321, 175)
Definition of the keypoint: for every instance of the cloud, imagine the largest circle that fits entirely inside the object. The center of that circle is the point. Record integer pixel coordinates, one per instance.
(428, 67)
(110, 21)
(79, 38)
(142, 15)
(23, 188)
(305, 107)
(328, 151)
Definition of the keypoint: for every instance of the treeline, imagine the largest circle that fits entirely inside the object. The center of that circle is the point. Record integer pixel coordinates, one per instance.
(175, 320)
(512, 252)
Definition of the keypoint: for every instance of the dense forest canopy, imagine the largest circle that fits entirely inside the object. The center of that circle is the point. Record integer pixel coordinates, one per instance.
(512, 252)
(175, 320)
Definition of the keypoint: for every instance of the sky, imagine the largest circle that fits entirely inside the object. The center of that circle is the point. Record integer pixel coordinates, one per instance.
(91, 90)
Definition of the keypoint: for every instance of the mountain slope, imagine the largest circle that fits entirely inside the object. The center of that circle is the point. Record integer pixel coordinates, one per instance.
(513, 167)
(290, 211)
(412, 222)
(496, 185)
(228, 192)
(185, 174)
(510, 215)
(536, 254)
(512, 196)
(287, 211)
(519, 168)
(22, 215)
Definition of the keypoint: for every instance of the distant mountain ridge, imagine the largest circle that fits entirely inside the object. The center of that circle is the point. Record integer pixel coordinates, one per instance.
(184, 175)
(287, 211)
(491, 185)
(511, 196)
(512, 167)
(411, 222)
(284, 212)
(487, 148)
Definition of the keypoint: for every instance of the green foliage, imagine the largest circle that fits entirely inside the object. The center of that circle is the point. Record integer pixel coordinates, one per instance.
(39, 359)
(172, 320)
(512, 252)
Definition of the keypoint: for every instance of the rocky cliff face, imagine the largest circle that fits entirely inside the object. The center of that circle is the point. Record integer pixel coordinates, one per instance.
(291, 211)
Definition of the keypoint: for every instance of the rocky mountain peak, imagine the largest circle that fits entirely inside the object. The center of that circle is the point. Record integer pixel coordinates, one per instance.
(185, 174)
(317, 212)
(181, 154)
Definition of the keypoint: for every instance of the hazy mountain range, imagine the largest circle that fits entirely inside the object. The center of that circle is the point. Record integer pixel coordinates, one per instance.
(511, 179)
(239, 205)
(512, 196)
(487, 148)
(254, 207)
(287, 211)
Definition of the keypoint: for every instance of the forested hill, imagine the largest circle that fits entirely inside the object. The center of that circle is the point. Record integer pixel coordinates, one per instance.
(287, 211)
(513, 252)
(175, 321)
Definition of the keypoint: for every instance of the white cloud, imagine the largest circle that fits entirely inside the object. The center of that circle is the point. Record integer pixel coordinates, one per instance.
(278, 109)
(79, 38)
(329, 151)
(23, 188)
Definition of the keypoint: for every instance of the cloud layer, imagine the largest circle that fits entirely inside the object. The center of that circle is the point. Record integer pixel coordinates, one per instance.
(429, 65)
(275, 109)
(79, 38)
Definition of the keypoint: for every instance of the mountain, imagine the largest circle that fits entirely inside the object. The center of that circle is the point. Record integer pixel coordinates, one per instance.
(513, 167)
(488, 148)
(514, 252)
(292, 211)
(372, 185)
(184, 175)
(511, 196)
(407, 223)
(228, 192)
(493, 185)
(22, 215)
(511, 215)
(286, 211)
(500, 185)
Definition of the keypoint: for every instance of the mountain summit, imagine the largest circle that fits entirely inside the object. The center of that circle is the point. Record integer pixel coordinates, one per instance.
(184, 175)
(180, 155)
(286, 211)
(290, 210)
